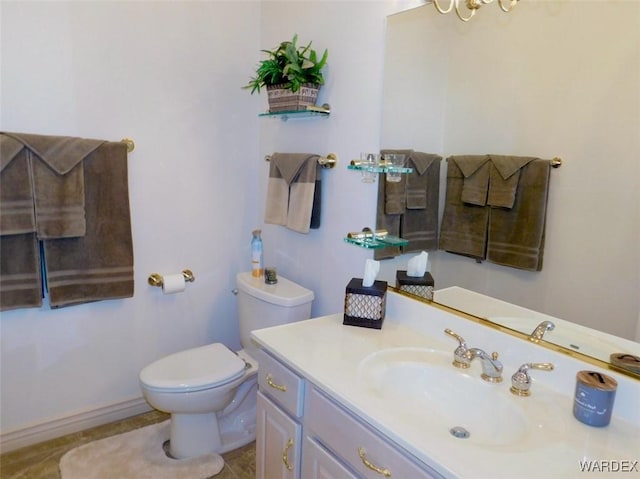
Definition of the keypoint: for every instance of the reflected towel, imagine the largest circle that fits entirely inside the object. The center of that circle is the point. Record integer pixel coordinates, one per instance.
(503, 179)
(291, 190)
(56, 167)
(418, 181)
(464, 226)
(475, 170)
(395, 193)
(99, 265)
(516, 235)
(20, 272)
(417, 222)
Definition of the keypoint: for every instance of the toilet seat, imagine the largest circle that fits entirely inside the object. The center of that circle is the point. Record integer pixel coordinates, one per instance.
(193, 370)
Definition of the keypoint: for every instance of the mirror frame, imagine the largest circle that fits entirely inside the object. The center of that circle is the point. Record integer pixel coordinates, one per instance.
(518, 334)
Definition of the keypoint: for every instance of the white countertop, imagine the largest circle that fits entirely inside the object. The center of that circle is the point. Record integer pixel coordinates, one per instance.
(329, 354)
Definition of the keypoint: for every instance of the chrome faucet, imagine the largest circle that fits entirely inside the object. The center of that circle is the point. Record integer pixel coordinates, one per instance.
(491, 367)
(541, 328)
(462, 357)
(521, 381)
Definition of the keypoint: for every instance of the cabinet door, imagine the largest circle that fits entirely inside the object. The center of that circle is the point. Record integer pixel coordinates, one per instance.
(318, 463)
(278, 437)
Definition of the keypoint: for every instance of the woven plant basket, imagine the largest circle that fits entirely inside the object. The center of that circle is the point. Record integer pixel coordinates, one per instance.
(283, 99)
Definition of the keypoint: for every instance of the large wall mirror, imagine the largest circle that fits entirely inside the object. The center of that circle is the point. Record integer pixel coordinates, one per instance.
(550, 79)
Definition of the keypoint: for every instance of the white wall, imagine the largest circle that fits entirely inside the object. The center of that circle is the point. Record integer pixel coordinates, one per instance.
(548, 79)
(168, 74)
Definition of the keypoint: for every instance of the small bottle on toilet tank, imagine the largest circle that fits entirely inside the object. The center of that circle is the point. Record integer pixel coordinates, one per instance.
(256, 254)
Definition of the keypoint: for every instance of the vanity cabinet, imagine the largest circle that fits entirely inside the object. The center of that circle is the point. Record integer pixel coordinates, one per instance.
(278, 428)
(303, 433)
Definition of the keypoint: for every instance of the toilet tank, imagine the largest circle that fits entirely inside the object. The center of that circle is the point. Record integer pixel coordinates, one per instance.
(262, 305)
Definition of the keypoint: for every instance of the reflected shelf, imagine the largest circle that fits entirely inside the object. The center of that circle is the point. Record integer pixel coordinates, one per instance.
(379, 169)
(376, 242)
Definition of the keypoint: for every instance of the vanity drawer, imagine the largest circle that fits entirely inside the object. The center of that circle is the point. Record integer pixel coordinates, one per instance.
(280, 383)
(370, 455)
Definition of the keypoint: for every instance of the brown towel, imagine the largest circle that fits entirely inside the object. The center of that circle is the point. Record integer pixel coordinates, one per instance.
(418, 181)
(55, 165)
(291, 189)
(395, 193)
(516, 235)
(418, 225)
(99, 265)
(17, 214)
(475, 170)
(464, 226)
(20, 272)
(389, 222)
(503, 179)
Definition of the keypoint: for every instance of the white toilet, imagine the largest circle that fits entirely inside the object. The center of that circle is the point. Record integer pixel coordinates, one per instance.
(210, 391)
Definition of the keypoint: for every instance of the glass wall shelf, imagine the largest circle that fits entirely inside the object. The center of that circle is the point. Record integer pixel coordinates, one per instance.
(311, 111)
(380, 169)
(377, 242)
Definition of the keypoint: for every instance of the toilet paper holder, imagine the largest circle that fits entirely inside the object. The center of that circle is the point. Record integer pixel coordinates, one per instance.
(156, 279)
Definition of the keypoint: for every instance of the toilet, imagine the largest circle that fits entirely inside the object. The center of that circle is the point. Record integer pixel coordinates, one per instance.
(210, 391)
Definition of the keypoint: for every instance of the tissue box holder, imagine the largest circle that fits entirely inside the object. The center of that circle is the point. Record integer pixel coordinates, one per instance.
(365, 305)
(417, 285)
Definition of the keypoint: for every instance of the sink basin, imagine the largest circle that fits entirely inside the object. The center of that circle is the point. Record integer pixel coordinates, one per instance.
(425, 388)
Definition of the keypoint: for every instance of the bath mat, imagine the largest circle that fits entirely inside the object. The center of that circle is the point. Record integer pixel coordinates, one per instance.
(136, 454)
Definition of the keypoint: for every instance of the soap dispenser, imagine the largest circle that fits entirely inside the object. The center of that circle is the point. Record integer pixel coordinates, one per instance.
(256, 254)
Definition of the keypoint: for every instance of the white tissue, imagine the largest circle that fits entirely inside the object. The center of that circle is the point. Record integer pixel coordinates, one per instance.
(371, 269)
(418, 265)
(173, 283)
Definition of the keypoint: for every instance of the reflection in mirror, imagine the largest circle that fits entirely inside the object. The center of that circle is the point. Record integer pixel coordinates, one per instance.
(554, 78)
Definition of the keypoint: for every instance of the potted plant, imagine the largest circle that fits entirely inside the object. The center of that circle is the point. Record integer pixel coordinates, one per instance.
(291, 74)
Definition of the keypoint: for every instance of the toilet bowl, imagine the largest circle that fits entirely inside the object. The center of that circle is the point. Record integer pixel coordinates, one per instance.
(210, 391)
(198, 397)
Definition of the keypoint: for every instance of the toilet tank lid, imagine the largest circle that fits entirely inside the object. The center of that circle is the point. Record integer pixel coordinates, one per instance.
(283, 293)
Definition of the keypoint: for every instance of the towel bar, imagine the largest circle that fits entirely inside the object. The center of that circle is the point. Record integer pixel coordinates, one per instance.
(156, 279)
(130, 144)
(325, 162)
(555, 162)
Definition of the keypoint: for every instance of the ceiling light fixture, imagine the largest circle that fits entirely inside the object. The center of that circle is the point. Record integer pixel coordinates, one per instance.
(472, 6)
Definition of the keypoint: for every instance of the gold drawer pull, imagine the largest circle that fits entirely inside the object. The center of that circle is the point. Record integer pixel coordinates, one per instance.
(274, 385)
(285, 455)
(380, 470)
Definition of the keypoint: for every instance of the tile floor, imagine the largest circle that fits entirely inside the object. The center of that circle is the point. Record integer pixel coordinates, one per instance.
(40, 461)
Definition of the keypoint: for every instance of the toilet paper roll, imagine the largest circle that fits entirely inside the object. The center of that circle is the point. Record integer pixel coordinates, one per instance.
(173, 283)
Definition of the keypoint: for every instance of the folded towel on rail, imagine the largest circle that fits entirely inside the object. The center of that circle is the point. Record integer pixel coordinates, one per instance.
(98, 266)
(475, 171)
(419, 224)
(464, 226)
(395, 193)
(504, 174)
(418, 182)
(516, 235)
(417, 221)
(291, 190)
(55, 164)
(20, 272)
(17, 214)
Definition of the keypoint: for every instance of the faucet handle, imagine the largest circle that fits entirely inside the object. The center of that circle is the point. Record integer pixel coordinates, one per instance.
(460, 356)
(521, 381)
(457, 336)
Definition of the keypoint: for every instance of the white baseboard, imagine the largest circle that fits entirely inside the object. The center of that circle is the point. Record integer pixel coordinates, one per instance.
(76, 422)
